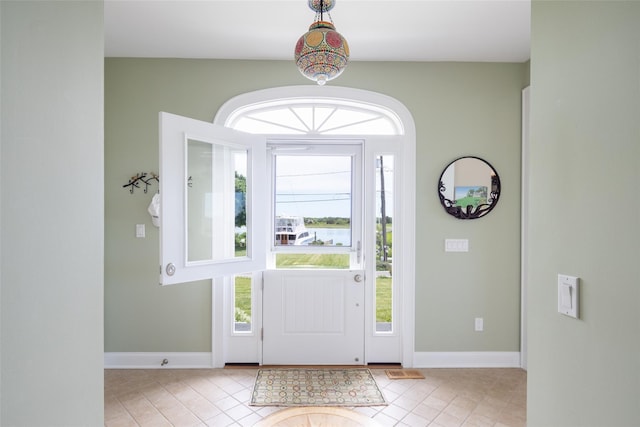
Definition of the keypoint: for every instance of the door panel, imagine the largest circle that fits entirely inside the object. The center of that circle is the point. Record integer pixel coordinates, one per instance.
(313, 317)
(199, 166)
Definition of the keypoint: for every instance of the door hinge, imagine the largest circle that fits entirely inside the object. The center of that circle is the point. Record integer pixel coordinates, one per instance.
(261, 334)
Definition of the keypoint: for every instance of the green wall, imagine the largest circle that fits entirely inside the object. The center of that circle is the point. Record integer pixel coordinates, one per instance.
(459, 109)
(51, 212)
(585, 147)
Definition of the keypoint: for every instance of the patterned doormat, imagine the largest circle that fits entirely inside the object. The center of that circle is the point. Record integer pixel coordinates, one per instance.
(316, 387)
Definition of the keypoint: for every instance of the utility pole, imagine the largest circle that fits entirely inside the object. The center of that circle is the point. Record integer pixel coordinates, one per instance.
(383, 221)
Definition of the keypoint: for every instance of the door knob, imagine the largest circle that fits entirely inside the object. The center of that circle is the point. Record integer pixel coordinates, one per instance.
(357, 278)
(171, 269)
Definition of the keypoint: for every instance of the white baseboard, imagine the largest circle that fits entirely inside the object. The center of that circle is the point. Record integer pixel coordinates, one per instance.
(143, 360)
(193, 360)
(467, 359)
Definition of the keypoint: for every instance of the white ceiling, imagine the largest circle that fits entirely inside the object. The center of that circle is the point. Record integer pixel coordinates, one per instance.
(376, 30)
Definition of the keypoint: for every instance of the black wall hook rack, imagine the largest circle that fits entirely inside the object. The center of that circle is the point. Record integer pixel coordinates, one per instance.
(142, 178)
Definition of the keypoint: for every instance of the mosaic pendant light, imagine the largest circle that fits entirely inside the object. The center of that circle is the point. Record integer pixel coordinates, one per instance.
(321, 54)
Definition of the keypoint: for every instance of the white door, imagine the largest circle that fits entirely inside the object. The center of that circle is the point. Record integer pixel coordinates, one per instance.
(199, 166)
(313, 318)
(314, 289)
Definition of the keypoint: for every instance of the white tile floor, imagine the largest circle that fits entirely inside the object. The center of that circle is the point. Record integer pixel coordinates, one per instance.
(219, 397)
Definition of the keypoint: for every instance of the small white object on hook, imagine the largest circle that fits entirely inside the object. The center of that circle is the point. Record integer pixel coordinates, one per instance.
(154, 209)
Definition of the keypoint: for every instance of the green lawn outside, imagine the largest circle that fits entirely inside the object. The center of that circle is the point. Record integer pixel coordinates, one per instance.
(383, 299)
(243, 299)
(312, 260)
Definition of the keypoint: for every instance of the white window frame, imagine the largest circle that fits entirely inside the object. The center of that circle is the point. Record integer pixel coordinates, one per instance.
(340, 147)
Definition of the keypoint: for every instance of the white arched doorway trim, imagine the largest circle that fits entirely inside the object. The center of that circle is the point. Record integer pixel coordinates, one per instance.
(397, 112)
(393, 110)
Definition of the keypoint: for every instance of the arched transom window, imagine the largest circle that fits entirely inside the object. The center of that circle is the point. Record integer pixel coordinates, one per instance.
(315, 116)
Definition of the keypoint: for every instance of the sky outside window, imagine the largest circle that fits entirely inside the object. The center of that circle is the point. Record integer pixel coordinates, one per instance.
(313, 186)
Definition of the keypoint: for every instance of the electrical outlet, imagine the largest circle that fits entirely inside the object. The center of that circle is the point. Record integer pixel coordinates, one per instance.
(479, 326)
(456, 245)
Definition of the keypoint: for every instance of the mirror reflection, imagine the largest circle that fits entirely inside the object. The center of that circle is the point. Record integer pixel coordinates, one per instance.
(469, 188)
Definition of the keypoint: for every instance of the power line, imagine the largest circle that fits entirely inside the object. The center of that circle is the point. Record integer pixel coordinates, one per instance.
(312, 174)
(311, 201)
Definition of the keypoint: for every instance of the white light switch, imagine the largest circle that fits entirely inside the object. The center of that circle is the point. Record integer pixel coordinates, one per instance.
(140, 231)
(568, 295)
(456, 245)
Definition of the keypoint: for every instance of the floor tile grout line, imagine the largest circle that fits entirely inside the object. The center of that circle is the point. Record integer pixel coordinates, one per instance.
(505, 390)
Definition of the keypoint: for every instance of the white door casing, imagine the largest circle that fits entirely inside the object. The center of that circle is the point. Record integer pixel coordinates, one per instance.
(400, 141)
(404, 224)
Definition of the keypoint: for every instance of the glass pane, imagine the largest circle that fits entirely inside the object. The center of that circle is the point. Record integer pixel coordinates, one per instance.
(347, 118)
(384, 303)
(251, 125)
(381, 126)
(313, 200)
(242, 303)
(199, 245)
(384, 243)
(216, 201)
(313, 116)
(281, 117)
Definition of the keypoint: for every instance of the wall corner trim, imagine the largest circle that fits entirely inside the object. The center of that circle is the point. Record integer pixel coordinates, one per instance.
(148, 360)
(467, 359)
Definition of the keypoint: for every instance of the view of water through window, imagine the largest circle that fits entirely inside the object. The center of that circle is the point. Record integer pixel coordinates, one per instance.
(313, 200)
